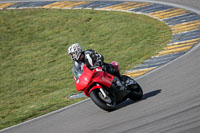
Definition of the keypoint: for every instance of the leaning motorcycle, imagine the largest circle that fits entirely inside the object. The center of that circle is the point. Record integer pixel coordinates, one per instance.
(99, 86)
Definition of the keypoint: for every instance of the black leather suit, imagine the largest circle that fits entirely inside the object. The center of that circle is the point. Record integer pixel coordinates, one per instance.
(92, 59)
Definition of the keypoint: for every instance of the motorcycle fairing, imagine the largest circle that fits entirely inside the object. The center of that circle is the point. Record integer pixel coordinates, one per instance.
(104, 78)
(84, 79)
(88, 78)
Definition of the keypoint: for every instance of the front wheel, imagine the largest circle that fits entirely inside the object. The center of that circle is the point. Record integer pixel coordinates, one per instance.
(103, 99)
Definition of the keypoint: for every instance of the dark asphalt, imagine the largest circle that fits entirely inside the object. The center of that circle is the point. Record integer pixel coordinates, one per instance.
(171, 103)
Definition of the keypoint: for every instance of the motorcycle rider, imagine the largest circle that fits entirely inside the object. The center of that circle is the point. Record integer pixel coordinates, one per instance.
(92, 60)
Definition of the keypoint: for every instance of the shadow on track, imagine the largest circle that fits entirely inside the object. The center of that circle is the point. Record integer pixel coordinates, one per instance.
(145, 96)
(151, 94)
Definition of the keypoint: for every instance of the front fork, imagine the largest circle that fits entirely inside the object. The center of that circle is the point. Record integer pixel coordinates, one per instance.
(103, 93)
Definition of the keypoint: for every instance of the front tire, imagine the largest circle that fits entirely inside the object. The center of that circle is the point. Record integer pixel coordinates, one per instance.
(107, 104)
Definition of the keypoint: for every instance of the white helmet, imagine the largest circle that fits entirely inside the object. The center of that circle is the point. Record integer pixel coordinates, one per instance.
(75, 51)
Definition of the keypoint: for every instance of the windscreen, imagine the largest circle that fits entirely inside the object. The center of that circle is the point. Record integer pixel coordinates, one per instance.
(77, 70)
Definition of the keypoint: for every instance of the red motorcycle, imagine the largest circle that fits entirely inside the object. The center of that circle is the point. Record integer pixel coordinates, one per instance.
(99, 86)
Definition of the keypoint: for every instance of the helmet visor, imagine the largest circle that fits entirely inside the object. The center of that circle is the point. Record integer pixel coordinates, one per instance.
(74, 56)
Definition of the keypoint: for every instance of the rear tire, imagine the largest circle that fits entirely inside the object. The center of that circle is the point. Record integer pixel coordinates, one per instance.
(136, 92)
(107, 106)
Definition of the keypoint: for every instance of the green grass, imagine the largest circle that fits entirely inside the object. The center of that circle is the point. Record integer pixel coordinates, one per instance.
(35, 70)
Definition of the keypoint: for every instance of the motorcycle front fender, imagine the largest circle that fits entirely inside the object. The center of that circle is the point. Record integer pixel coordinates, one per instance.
(95, 87)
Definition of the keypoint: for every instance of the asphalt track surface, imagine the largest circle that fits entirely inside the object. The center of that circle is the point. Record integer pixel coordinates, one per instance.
(171, 104)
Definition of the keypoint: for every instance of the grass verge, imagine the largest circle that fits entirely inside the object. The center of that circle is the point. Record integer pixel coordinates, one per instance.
(35, 70)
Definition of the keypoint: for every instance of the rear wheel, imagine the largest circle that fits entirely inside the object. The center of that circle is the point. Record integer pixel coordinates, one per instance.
(103, 99)
(136, 92)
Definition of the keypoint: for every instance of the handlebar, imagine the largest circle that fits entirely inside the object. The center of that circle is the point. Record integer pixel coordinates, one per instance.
(93, 67)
